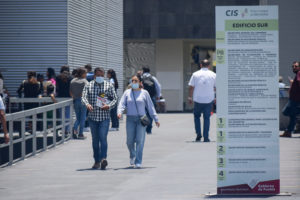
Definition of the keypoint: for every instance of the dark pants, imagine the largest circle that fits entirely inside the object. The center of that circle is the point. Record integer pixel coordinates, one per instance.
(99, 131)
(204, 108)
(149, 127)
(292, 109)
(114, 118)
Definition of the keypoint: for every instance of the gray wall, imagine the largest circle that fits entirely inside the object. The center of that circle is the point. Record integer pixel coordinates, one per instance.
(289, 35)
(169, 19)
(37, 34)
(95, 34)
(33, 36)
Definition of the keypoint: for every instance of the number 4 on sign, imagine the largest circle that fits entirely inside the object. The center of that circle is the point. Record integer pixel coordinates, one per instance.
(221, 175)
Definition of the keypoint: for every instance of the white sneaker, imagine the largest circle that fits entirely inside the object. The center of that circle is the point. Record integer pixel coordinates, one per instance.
(87, 129)
(138, 166)
(132, 161)
(113, 129)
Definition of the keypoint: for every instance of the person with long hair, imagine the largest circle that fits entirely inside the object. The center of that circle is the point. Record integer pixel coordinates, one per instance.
(111, 75)
(76, 88)
(31, 89)
(136, 101)
(51, 75)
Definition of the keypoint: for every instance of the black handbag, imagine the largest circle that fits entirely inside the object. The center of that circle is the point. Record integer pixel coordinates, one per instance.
(144, 119)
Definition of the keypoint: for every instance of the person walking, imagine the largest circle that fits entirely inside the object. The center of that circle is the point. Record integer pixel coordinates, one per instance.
(292, 108)
(111, 75)
(136, 100)
(76, 88)
(201, 91)
(99, 97)
(151, 84)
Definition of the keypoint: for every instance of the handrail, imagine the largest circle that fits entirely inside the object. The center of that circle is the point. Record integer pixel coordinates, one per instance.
(31, 116)
(33, 100)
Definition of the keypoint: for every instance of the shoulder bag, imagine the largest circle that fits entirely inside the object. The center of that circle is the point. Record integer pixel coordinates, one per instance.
(144, 119)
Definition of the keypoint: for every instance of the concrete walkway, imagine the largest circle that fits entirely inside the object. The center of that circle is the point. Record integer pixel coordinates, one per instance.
(174, 168)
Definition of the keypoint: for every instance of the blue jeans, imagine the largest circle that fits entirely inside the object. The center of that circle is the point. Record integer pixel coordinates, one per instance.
(149, 127)
(294, 110)
(204, 108)
(114, 117)
(80, 111)
(99, 131)
(135, 138)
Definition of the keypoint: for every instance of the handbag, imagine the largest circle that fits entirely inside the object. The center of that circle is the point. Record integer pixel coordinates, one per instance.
(143, 119)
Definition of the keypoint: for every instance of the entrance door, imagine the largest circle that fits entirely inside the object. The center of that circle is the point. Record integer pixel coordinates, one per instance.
(193, 54)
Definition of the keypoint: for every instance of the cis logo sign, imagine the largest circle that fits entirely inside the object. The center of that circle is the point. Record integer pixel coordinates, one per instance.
(232, 13)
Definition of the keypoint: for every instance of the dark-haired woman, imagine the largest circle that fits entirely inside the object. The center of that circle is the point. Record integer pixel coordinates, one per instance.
(51, 75)
(31, 89)
(111, 75)
(76, 88)
(136, 100)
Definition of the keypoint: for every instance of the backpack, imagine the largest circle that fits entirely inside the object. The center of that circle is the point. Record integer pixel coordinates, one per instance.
(149, 85)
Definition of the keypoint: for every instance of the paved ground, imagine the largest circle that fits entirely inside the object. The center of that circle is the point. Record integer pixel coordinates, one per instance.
(175, 167)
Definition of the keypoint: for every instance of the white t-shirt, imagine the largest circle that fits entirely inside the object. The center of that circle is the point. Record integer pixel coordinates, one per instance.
(204, 82)
(2, 107)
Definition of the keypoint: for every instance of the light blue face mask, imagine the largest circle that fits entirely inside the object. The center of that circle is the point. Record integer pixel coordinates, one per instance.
(135, 86)
(99, 79)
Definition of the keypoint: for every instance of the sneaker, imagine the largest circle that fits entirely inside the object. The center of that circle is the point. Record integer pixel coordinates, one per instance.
(114, 129)
(75, 134)
(96, 165)
(138, 166)
(132, 161)
(206, 140)
(81, 137)
(104, 163)
(87, 129)
(198, 138)
(286, 134)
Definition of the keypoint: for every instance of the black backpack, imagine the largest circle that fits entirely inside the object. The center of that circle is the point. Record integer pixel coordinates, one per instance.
(149, 85)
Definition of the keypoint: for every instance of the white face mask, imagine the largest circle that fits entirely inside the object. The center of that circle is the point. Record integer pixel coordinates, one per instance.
(135, 86)
(99, 79)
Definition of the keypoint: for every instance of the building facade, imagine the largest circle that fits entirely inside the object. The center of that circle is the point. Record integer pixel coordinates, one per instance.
(171, 37)
(37, 34)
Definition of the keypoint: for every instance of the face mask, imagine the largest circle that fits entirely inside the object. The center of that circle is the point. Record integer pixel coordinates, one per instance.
(134, 85)
(99, 79)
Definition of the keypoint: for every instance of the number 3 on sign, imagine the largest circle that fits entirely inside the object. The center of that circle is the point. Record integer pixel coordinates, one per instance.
(221, 175)
(221, 162)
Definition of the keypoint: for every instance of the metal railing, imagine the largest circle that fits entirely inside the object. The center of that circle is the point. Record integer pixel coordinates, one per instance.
(41, 122)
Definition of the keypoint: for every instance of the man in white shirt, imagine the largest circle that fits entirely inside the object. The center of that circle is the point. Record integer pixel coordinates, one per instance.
(3, 121)
(202, 92)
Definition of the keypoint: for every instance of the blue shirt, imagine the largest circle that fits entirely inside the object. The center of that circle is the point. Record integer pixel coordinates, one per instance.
(143, 101)
(90, 76)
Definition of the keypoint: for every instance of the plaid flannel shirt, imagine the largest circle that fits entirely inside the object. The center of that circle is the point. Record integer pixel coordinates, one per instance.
(89, 96)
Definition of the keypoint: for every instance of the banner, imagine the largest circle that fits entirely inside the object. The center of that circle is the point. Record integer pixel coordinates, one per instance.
(247, 99)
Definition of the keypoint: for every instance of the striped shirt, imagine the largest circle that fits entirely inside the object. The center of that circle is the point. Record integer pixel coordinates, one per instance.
(89, 96)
